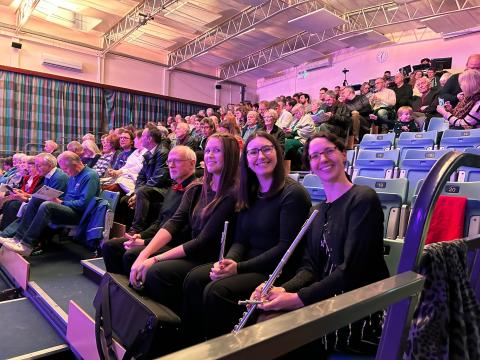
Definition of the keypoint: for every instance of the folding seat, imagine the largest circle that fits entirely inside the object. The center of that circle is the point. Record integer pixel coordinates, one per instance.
(377, 141)
(376, 163)
(349, 162)
(438, 123)
(417, 140)
(460, 139)
(466, 174)
(393, 196)
(416, 165)
(314, 186)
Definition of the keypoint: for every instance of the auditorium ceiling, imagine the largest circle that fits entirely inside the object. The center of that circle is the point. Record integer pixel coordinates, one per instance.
(234, 39)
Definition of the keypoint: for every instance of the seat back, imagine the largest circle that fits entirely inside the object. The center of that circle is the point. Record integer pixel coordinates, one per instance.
(392, 194)
(416, 165)
(438, 123)
(112, 197)
(392, 250)
(460, 139)
(314, 186)
(468, 173)
(377, 141)
(417, 140)
(376, 163)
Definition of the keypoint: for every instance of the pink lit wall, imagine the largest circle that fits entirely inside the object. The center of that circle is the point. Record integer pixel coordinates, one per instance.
(365, 65)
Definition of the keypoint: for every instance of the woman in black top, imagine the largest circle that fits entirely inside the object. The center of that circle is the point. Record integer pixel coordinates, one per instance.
(272, 210)
(270, 118)
(345, 241)
(204, 209)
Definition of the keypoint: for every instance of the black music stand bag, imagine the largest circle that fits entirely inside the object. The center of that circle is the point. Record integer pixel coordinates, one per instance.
(144, 327)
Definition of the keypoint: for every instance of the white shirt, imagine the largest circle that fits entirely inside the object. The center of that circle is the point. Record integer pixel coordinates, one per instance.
(285, 119)
(129, 171)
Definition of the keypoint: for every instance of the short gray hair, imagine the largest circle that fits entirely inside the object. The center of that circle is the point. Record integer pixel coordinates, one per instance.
(69, 158)
(48, 159)
(189, 153)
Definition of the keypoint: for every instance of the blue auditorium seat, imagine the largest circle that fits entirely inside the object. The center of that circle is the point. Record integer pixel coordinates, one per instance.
(314, 186)
(393, 195)
(466, 174)
(376, 163)
(438, 123)
(416, 164)
(460, 139)
(377, 141)
(417, 140)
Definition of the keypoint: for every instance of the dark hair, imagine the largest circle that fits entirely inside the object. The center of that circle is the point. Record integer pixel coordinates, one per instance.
(208, 121)
(425, 59)
(306, 96)
(138, 133)
(324, 89)
(130, 133)
(334, 139)
(155, 134)
(292, 102)
(249, 184)
(113, 140)
(231, 127)
(228, 179)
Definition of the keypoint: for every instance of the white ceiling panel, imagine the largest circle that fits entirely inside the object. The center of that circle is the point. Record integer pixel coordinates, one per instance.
(317, 21)
(364, 39)
(453, 22)
(330, 46)
(278, 65)
(304, 56)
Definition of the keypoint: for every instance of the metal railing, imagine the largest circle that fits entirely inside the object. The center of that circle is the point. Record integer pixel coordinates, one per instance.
(292, 330)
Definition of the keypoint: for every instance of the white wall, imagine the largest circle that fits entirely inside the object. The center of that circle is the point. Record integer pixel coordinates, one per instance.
(364, 65)
(117, 71)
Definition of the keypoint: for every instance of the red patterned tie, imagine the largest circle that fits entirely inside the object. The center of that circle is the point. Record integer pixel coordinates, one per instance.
(178, 187)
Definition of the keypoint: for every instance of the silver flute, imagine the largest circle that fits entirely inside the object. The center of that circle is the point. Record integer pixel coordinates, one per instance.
(273, 276)
(222, 241)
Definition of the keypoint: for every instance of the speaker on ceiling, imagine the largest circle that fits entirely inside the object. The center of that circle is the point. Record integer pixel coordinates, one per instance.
(218, 86)
(16, 45)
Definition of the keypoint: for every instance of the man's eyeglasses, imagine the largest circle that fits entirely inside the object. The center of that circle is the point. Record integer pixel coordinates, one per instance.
(175, 161)
(266, 150)
(328, 152)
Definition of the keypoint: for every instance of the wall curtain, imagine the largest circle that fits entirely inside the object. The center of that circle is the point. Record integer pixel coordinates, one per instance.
(35, 108)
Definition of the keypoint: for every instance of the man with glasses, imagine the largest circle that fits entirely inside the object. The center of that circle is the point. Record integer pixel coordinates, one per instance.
(383, 103)
(120, 254)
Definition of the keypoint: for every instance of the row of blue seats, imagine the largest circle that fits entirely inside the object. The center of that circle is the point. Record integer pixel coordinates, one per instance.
(413, 165)
(451, 139)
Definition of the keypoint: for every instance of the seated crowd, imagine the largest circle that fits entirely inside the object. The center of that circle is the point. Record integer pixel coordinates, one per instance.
(179, 182)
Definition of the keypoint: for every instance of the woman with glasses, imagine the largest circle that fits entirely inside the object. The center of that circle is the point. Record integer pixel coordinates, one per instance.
(272, 209)
(204, 209)
(344, 244)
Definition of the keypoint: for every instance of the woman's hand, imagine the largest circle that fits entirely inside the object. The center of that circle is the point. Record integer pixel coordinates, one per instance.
(136, 270)
(441, 110)
(223, 269)
(134, 240)
(278, 299)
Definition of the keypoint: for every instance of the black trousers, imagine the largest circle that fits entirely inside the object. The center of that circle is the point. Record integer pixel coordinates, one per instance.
(118, 260)
(148, 199)
(212, 306)
(164, 282)
(9, 210)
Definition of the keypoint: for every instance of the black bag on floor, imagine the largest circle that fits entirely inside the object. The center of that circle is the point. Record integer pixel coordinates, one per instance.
(144, 327)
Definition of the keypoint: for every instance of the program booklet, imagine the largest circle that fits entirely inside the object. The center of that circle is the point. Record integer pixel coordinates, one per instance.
(47, 193)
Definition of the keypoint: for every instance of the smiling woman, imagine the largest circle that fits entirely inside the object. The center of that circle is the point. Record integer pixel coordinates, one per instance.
(272, 208)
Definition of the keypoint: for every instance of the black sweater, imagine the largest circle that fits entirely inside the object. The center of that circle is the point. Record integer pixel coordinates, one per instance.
(169, 207)
(265, 230)
(354, 234)
(204, 245)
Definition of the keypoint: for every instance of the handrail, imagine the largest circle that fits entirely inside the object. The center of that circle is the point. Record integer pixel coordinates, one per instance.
(399, 315)
(289, 331)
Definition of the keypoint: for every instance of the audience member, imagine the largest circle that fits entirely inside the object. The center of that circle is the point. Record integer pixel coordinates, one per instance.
(270, 118)
(427, 103)
(106, 160)
(272, 210)
(285, 118)
(120, 254)
(91, 153)
(82, 186)
(359, 108)
(126, 142)
(75, 147)
(340, 255)
(337, 118)
(301, 129)
(383, 102)
(466, 115)
(403, 92)
(204, 209)
(451, 91)
(51, 147)
(251, 126)
(405, 121)
(152, 181)
(183, 137)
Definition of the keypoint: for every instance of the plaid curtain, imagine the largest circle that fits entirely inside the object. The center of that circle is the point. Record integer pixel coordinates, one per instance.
(34, 109)
(126, 108)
